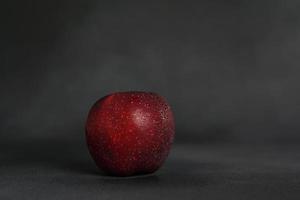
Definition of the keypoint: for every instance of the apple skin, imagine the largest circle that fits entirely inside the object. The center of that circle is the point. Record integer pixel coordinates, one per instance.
(130, 133)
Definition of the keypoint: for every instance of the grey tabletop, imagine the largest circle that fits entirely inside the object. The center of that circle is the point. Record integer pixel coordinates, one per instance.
(44, 169)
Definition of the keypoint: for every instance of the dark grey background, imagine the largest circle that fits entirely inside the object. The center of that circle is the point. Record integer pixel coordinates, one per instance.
(229, 69)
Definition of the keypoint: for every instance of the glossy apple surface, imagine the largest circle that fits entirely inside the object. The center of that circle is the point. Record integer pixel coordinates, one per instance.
(130, 133)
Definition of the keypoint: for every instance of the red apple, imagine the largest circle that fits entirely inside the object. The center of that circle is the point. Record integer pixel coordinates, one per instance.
(130, 133)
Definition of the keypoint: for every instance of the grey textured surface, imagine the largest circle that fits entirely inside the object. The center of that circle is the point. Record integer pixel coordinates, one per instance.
(229, 69)
(63, 170)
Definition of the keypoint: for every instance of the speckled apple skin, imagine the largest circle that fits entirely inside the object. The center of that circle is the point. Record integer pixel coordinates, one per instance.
(130, 133)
